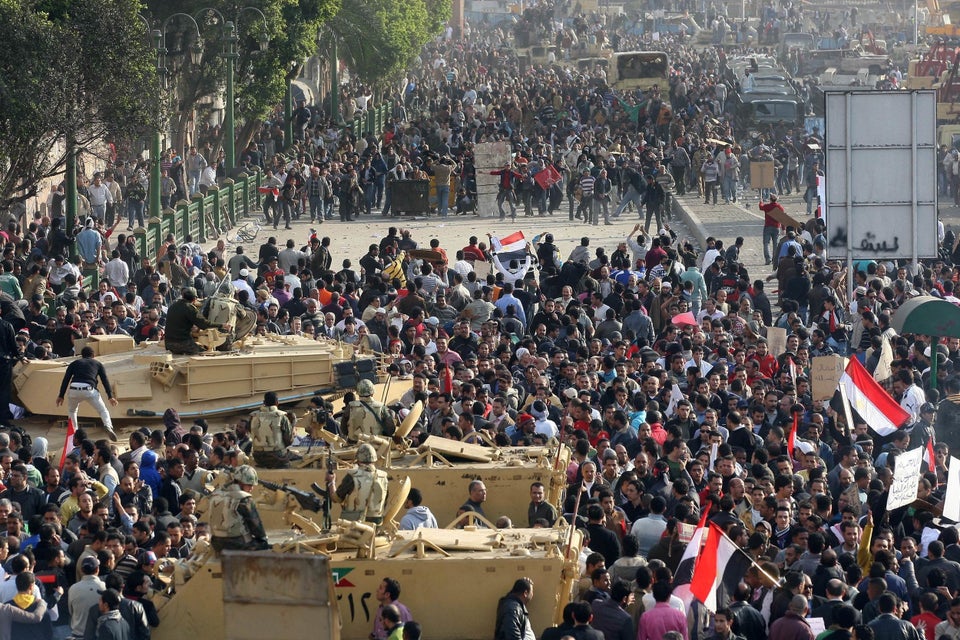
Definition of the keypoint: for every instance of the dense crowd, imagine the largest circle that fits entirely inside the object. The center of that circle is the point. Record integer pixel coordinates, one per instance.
(649, 358)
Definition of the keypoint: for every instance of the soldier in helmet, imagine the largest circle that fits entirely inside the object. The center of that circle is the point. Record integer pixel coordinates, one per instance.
(182, 316)
(223, 309)
(271, 433)
(363, 492)
(232, 514)
(367, 416)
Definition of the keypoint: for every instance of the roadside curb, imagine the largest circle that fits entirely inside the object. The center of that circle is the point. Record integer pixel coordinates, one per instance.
(691, 220)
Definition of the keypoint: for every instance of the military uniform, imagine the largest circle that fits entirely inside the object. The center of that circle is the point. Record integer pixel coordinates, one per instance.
(271, 434)
(367, 416)
(363, 492)
(234, 521)
(222, 309)
(182, 317)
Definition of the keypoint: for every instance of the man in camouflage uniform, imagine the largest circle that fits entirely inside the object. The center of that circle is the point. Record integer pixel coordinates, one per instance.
(223, 309)
(367, 416)
(182, 317)
(271, 433)
(363, 492)
(232, 514)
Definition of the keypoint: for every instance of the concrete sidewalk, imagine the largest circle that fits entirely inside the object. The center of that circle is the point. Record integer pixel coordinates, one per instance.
(727, 221)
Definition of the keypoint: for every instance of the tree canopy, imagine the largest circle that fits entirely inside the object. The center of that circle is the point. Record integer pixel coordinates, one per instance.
(378, 38)
(78, 71)
(260, 77)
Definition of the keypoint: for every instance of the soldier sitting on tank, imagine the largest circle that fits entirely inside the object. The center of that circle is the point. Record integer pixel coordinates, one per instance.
(368, 416)
(271, 434)
(232, 514)
(223, 309)
(182, 316)
(363, 492)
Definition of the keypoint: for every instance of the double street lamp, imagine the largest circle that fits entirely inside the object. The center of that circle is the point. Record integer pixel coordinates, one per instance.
(160, 45)
(230, 40)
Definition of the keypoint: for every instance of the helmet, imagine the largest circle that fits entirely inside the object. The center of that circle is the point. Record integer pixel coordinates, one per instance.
(245, 474)
(366, 453)
(365, 388)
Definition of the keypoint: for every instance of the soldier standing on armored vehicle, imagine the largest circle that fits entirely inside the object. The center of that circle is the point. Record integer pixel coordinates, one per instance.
(182, 317)
(232, 514)
(368, 416)
(271, 433)
(363, 492)
(222, 309)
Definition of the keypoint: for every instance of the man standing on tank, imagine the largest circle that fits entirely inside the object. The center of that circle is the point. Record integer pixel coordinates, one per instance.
(81, 377)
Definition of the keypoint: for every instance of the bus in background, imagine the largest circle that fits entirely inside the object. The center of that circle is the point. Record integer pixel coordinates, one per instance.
(642, 70)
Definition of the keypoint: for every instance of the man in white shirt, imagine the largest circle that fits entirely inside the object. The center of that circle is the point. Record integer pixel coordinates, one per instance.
(117, 272)
(911, 396)
(100, 197)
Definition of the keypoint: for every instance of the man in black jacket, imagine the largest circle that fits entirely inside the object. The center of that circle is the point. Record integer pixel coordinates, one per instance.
(81, 376)
(513, 619)
(653, 197)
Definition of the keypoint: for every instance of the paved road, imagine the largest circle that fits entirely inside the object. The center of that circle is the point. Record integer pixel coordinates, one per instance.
(728, 221)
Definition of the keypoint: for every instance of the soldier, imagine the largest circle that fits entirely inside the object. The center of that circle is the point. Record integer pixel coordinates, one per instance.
(233, 517)
(363, 492)
(223, 309)
(182, 317)
(367, 416)
(272, 433)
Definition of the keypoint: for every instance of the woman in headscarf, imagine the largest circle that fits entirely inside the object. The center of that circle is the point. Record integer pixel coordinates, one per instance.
(39, 462)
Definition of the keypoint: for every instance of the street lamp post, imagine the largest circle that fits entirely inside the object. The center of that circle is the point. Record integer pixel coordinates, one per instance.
(230, 39)
(196, 52)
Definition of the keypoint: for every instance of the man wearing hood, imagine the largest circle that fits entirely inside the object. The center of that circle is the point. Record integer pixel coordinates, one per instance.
(417, 515)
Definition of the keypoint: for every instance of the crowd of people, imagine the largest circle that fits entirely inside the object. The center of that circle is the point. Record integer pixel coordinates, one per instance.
(650, 358)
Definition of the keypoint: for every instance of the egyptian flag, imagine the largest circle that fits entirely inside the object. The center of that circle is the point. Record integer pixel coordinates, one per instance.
(877, 408)
(928, 457)
(792, 438)
(684, 573)
(68, 443)
(511, 247)
(719, 555)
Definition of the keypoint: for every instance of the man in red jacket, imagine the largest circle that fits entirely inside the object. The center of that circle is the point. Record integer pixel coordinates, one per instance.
(771, 228)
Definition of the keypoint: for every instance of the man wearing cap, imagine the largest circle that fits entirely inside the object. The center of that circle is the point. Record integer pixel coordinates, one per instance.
(182, 316)
(84, 595)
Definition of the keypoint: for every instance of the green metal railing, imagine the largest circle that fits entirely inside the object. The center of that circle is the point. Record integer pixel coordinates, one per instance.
(221, 207)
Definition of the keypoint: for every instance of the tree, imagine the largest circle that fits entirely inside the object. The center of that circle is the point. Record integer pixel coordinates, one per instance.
(260, 76)
(378, 39)
(78, 72)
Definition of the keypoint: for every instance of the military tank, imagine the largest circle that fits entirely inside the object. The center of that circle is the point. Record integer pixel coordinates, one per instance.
(440, 468)
(200, 596)
(147, 379)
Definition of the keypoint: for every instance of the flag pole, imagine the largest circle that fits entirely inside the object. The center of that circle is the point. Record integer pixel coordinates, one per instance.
(769, 577)
(573, 524)
(847, 413)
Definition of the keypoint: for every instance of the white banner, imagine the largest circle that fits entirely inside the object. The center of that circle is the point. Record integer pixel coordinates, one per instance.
(951, 503)
(906, 478)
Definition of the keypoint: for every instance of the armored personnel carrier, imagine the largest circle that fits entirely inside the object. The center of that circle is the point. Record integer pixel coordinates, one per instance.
(440, 468)
(451, 579)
